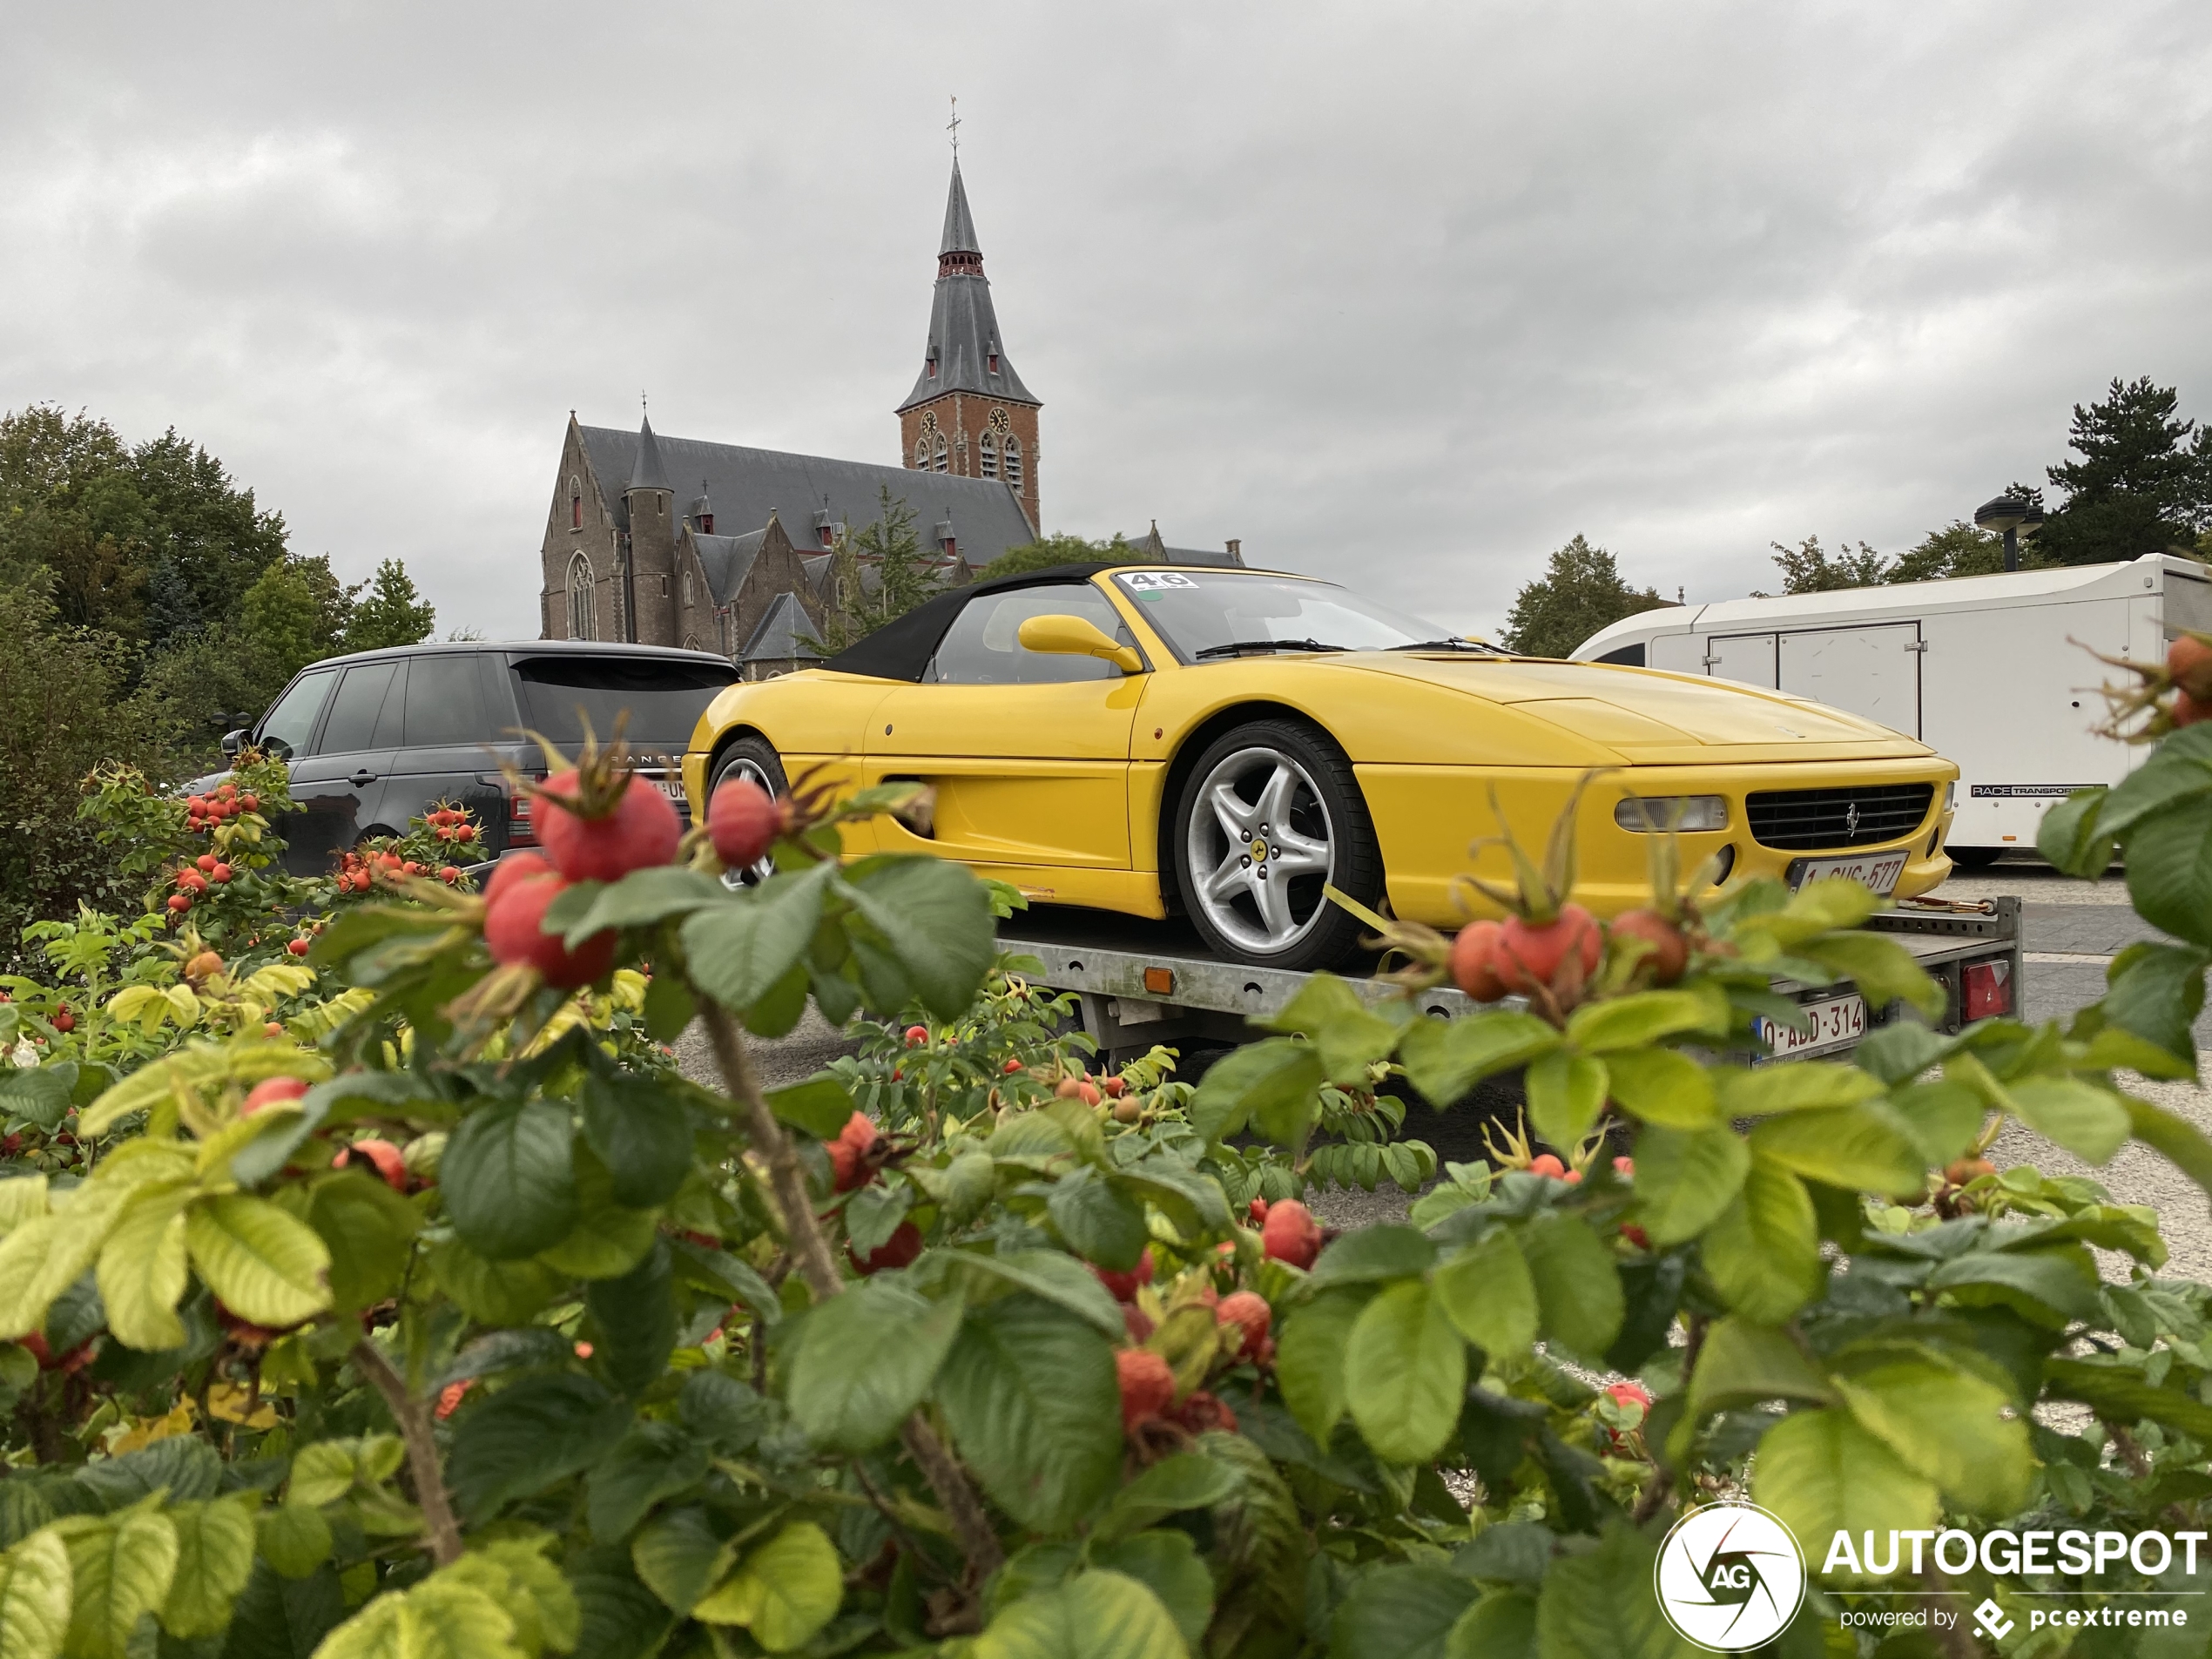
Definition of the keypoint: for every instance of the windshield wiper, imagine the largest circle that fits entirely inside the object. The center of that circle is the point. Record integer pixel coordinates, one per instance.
(1238, 647)
(1484, 647)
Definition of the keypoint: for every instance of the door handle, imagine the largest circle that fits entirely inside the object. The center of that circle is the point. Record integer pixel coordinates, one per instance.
(361, 779)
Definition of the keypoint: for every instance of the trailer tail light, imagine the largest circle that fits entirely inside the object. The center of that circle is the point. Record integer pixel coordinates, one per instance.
(1987, 989)
(520, 832)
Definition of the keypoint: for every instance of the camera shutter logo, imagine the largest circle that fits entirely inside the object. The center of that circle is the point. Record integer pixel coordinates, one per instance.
(1729, 1577)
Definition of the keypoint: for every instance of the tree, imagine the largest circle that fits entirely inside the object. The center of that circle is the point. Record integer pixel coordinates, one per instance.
(876, 573)
(295, 613)
(1580, 592)
(1956, 549)
(1049, 551)
(1808, 567)
(391, 613)
(2141, 486)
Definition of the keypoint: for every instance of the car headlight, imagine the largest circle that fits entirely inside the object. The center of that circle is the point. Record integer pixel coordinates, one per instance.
(1651, 814)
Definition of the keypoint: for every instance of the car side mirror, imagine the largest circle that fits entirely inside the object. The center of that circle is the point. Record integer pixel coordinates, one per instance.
(1074, 636)
(233, 741)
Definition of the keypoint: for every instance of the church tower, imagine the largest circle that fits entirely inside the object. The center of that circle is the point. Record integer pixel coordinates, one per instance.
(970, 414)
(647, 573)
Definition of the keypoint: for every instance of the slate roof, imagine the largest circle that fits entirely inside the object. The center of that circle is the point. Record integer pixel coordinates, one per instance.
(646, 472)
(780, 637)
(1150, 546)
(747, 485)
(963, 327)
(727, 559)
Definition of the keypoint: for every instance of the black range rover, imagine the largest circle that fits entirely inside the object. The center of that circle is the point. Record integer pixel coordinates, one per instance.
(378, 739)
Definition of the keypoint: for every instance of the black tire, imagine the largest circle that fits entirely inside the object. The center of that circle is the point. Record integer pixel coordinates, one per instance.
(1973, 858)
(1325, 807)
(753, 758)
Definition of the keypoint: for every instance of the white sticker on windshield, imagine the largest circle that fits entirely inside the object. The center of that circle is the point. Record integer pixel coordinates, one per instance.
(1145, 581)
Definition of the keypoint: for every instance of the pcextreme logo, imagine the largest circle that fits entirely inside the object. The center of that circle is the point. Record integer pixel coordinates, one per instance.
(1729, 1577)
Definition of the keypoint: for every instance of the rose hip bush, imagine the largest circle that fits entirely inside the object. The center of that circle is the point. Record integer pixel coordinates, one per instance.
(464, 1329)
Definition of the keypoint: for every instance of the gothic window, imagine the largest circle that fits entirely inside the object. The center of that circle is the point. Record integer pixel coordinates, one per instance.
(576, 504)
(687, 588)
(988, 448)
(579, 597)
(941, 461)
(1014, 461)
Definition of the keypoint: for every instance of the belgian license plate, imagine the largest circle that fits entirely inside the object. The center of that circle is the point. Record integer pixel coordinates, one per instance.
(1876, 870)
(1837, 1022)
(673, 788)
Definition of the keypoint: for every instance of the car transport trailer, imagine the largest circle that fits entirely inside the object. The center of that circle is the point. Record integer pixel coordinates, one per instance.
(1140, 983)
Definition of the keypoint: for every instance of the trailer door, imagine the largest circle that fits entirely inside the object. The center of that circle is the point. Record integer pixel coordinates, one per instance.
(1873, 672)
(1748, 658)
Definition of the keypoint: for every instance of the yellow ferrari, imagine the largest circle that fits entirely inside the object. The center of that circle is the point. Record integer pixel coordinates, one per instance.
(1221, 744)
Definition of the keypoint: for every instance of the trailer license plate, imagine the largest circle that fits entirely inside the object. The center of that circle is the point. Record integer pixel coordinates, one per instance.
(1837, 1022)
(1876, 870)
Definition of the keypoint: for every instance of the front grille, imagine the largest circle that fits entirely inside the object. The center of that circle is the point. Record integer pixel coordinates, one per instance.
(1805, 819)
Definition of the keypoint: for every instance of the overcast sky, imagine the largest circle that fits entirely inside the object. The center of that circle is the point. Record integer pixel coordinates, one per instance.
(1404, 294)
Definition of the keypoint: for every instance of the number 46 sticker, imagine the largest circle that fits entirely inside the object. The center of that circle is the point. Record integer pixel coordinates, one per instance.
(1146, 581)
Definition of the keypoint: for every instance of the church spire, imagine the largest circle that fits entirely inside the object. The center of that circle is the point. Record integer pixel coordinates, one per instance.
(960, 226)
(648, 473)
(964, 352)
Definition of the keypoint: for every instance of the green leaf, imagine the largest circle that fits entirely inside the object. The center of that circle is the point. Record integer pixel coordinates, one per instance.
(1168, 1564)
(639, 900)
(1093, 1616)
(491, 1293)
(1488, 1293)
(293, 1538)
(653, 1461)
(1899, 1051)
(279, 1618)
(1685, 1178)
(1179, 1481)
(1405, 1370)
(1601, 1605)
(2170, 872)
(1261, 1080)
(935, 917)
(1399, 1612)
(1566, 1093)
(1374, 1255)
(1309, 1360)
(1502, 1625)
(736, 950)
(641, 1132)
(1866, 1146)
(43, 1257)
(1944, 1424)
(515, 1573)
(1638, 1020)
(2120, 1393)
(2089, 1121)
(1823, 1473)
(1056, 1277)
(1031, 1396)
(1945, 1117)
(1578, 1292)
(214, 1559)
(821, 1106)
(1744, 1364)
(2046, 1287)
(1882, 969)
(184, 1466)
(534, 1432)
(866, 1360)
(1763, 1251)
(1101, 1223)
(120, 1568)
(2068, 835)
(1446, 1058)
(608, 1240)
(1801, 1086)
(267, 1267)
(1349, 1036)
(619, 1617)
(784, 1592)
(2180, 1141)
(670, 1007)
(677, 1553)
(370, 1231)
(438, 1619)
(637, 1315)
(2155, 991)
(35, 1587)
(509, 1178)
(40, 1093)
(142, 1272)
(1663, 1086)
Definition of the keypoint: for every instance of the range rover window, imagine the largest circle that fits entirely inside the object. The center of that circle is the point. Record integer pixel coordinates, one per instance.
(445, 702)
(663, 698)
(354, 715)
(286, 727)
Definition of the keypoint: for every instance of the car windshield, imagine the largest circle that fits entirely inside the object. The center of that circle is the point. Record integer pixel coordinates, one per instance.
(1211, 615)
(663, 697)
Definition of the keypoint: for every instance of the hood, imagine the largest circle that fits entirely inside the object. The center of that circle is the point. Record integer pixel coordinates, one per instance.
(1645, 715)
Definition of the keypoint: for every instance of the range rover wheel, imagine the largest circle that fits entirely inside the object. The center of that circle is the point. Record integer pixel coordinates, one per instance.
(752, 759)
(1270, 815)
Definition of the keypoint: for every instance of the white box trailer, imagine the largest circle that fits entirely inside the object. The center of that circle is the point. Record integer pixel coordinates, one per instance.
(1984, 669)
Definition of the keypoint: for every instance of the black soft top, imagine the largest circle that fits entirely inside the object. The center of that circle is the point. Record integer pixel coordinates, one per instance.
(900, 650)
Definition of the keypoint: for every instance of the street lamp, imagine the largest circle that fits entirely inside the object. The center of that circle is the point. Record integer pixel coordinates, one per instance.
(2012, 515)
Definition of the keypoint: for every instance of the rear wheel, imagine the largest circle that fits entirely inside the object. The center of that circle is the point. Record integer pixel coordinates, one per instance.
(754, 761)
(1270, 816)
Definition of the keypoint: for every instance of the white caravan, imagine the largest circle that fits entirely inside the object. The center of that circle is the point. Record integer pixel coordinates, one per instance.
(1987, 670)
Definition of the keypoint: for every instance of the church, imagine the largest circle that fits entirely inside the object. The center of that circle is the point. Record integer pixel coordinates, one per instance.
(667, 540)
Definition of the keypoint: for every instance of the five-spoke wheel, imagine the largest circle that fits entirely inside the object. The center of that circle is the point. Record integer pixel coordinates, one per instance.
(754, 761)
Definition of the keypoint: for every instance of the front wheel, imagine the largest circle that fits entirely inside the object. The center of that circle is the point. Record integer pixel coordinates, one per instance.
(1271, 815)
(1973, 858)
(754, 760)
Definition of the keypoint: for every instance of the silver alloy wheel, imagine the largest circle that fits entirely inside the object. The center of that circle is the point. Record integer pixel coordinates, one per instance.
(749, 769)
(1259, 849)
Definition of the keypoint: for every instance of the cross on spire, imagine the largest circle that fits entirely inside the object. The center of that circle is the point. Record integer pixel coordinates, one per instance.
(953, 127)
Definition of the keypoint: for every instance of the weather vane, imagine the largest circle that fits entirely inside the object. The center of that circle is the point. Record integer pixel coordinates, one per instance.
(953, 126)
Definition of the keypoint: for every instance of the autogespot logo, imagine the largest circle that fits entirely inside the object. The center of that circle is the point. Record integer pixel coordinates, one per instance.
(1729, 1577)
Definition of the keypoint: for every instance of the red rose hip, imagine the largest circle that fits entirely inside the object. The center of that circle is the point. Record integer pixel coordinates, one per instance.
(1289, 1233)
